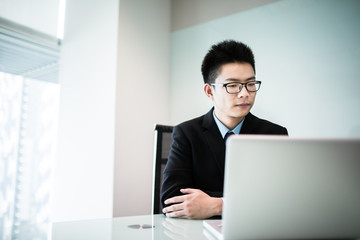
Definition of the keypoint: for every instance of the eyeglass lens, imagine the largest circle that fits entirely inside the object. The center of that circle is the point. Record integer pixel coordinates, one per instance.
(237, 87)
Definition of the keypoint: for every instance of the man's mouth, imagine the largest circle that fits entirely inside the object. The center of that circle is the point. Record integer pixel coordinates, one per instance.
(242, 105)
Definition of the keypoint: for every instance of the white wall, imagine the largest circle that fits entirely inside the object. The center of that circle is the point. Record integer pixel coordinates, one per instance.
(306, 54)
(142, 99)
(32, 14)
(187, 13)
(88, 66)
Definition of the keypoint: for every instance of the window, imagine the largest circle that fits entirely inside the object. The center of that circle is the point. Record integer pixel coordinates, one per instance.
(29, 103)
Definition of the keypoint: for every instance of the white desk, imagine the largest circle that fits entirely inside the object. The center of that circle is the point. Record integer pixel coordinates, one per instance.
(118, 228)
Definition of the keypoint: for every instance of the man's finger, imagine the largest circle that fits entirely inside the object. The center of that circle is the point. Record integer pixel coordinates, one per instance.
(177, 214)
(173, 208)
(188, 190)
(177, 199)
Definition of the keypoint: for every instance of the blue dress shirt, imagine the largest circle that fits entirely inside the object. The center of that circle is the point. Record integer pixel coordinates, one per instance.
(223, 129)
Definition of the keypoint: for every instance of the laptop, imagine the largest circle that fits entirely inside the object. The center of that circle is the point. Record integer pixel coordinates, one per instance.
(278, 187)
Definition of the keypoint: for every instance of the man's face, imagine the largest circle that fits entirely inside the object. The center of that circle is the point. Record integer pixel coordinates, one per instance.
(230, 109)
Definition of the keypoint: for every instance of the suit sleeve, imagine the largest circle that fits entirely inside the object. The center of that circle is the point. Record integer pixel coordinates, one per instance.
(178, 170)
(284, 131)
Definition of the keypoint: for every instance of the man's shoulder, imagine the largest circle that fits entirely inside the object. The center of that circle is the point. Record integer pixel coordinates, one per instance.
(262, 121)
(196, 122)
(254, 124)
(194, 128)
(192, 123)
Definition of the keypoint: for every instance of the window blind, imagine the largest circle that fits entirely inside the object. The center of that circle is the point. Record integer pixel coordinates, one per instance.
(27, 52)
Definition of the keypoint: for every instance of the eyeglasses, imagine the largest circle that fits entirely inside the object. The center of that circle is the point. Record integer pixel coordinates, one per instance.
(236, 87)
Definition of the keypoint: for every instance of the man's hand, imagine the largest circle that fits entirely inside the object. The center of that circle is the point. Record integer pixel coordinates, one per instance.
(195, 204)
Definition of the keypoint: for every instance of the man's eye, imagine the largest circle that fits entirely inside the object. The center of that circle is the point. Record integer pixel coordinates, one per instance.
(233, 85)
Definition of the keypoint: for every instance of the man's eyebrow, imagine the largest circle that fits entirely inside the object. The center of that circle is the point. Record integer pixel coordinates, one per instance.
(238, 80)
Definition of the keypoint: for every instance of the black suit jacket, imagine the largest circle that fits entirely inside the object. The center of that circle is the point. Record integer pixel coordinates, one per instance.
(197, 155)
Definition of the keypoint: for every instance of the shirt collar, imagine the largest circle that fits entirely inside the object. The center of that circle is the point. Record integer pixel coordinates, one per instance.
(223, 129)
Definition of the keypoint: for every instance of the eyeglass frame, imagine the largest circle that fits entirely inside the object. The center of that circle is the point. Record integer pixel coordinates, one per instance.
(240, 88)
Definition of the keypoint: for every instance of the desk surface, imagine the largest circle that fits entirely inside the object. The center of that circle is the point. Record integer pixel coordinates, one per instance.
(129, 228)
(118, 228)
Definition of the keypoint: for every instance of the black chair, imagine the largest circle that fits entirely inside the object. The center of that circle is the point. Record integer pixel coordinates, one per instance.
(163, 140)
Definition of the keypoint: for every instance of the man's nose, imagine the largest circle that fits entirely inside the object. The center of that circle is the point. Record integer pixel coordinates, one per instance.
(243, 93)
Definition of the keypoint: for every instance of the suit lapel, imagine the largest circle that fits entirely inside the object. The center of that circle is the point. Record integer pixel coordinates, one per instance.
(214, 140)
(248, 124)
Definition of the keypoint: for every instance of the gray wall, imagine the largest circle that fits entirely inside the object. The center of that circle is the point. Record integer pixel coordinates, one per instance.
(187, 13)
(307, 56)
(142, 99)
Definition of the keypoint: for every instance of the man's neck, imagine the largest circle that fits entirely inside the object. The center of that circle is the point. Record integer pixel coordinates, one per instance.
(229, 122)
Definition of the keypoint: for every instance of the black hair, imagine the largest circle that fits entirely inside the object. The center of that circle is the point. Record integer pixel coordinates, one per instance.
(228, 51)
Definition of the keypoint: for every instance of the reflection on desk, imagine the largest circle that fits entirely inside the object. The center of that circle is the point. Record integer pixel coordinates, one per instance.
(141, 227)
(135, 227)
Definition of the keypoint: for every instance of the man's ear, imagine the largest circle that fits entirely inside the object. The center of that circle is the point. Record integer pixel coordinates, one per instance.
(208, 89)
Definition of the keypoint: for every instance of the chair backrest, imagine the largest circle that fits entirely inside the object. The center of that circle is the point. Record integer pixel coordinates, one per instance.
(162, 143)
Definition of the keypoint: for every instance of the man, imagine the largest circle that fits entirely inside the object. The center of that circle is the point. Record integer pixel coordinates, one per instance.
(194, 175)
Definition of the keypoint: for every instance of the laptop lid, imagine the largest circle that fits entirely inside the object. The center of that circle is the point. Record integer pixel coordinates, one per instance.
(278, 187)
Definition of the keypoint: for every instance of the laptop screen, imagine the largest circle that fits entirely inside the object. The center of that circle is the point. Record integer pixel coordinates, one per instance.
(281, 187)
